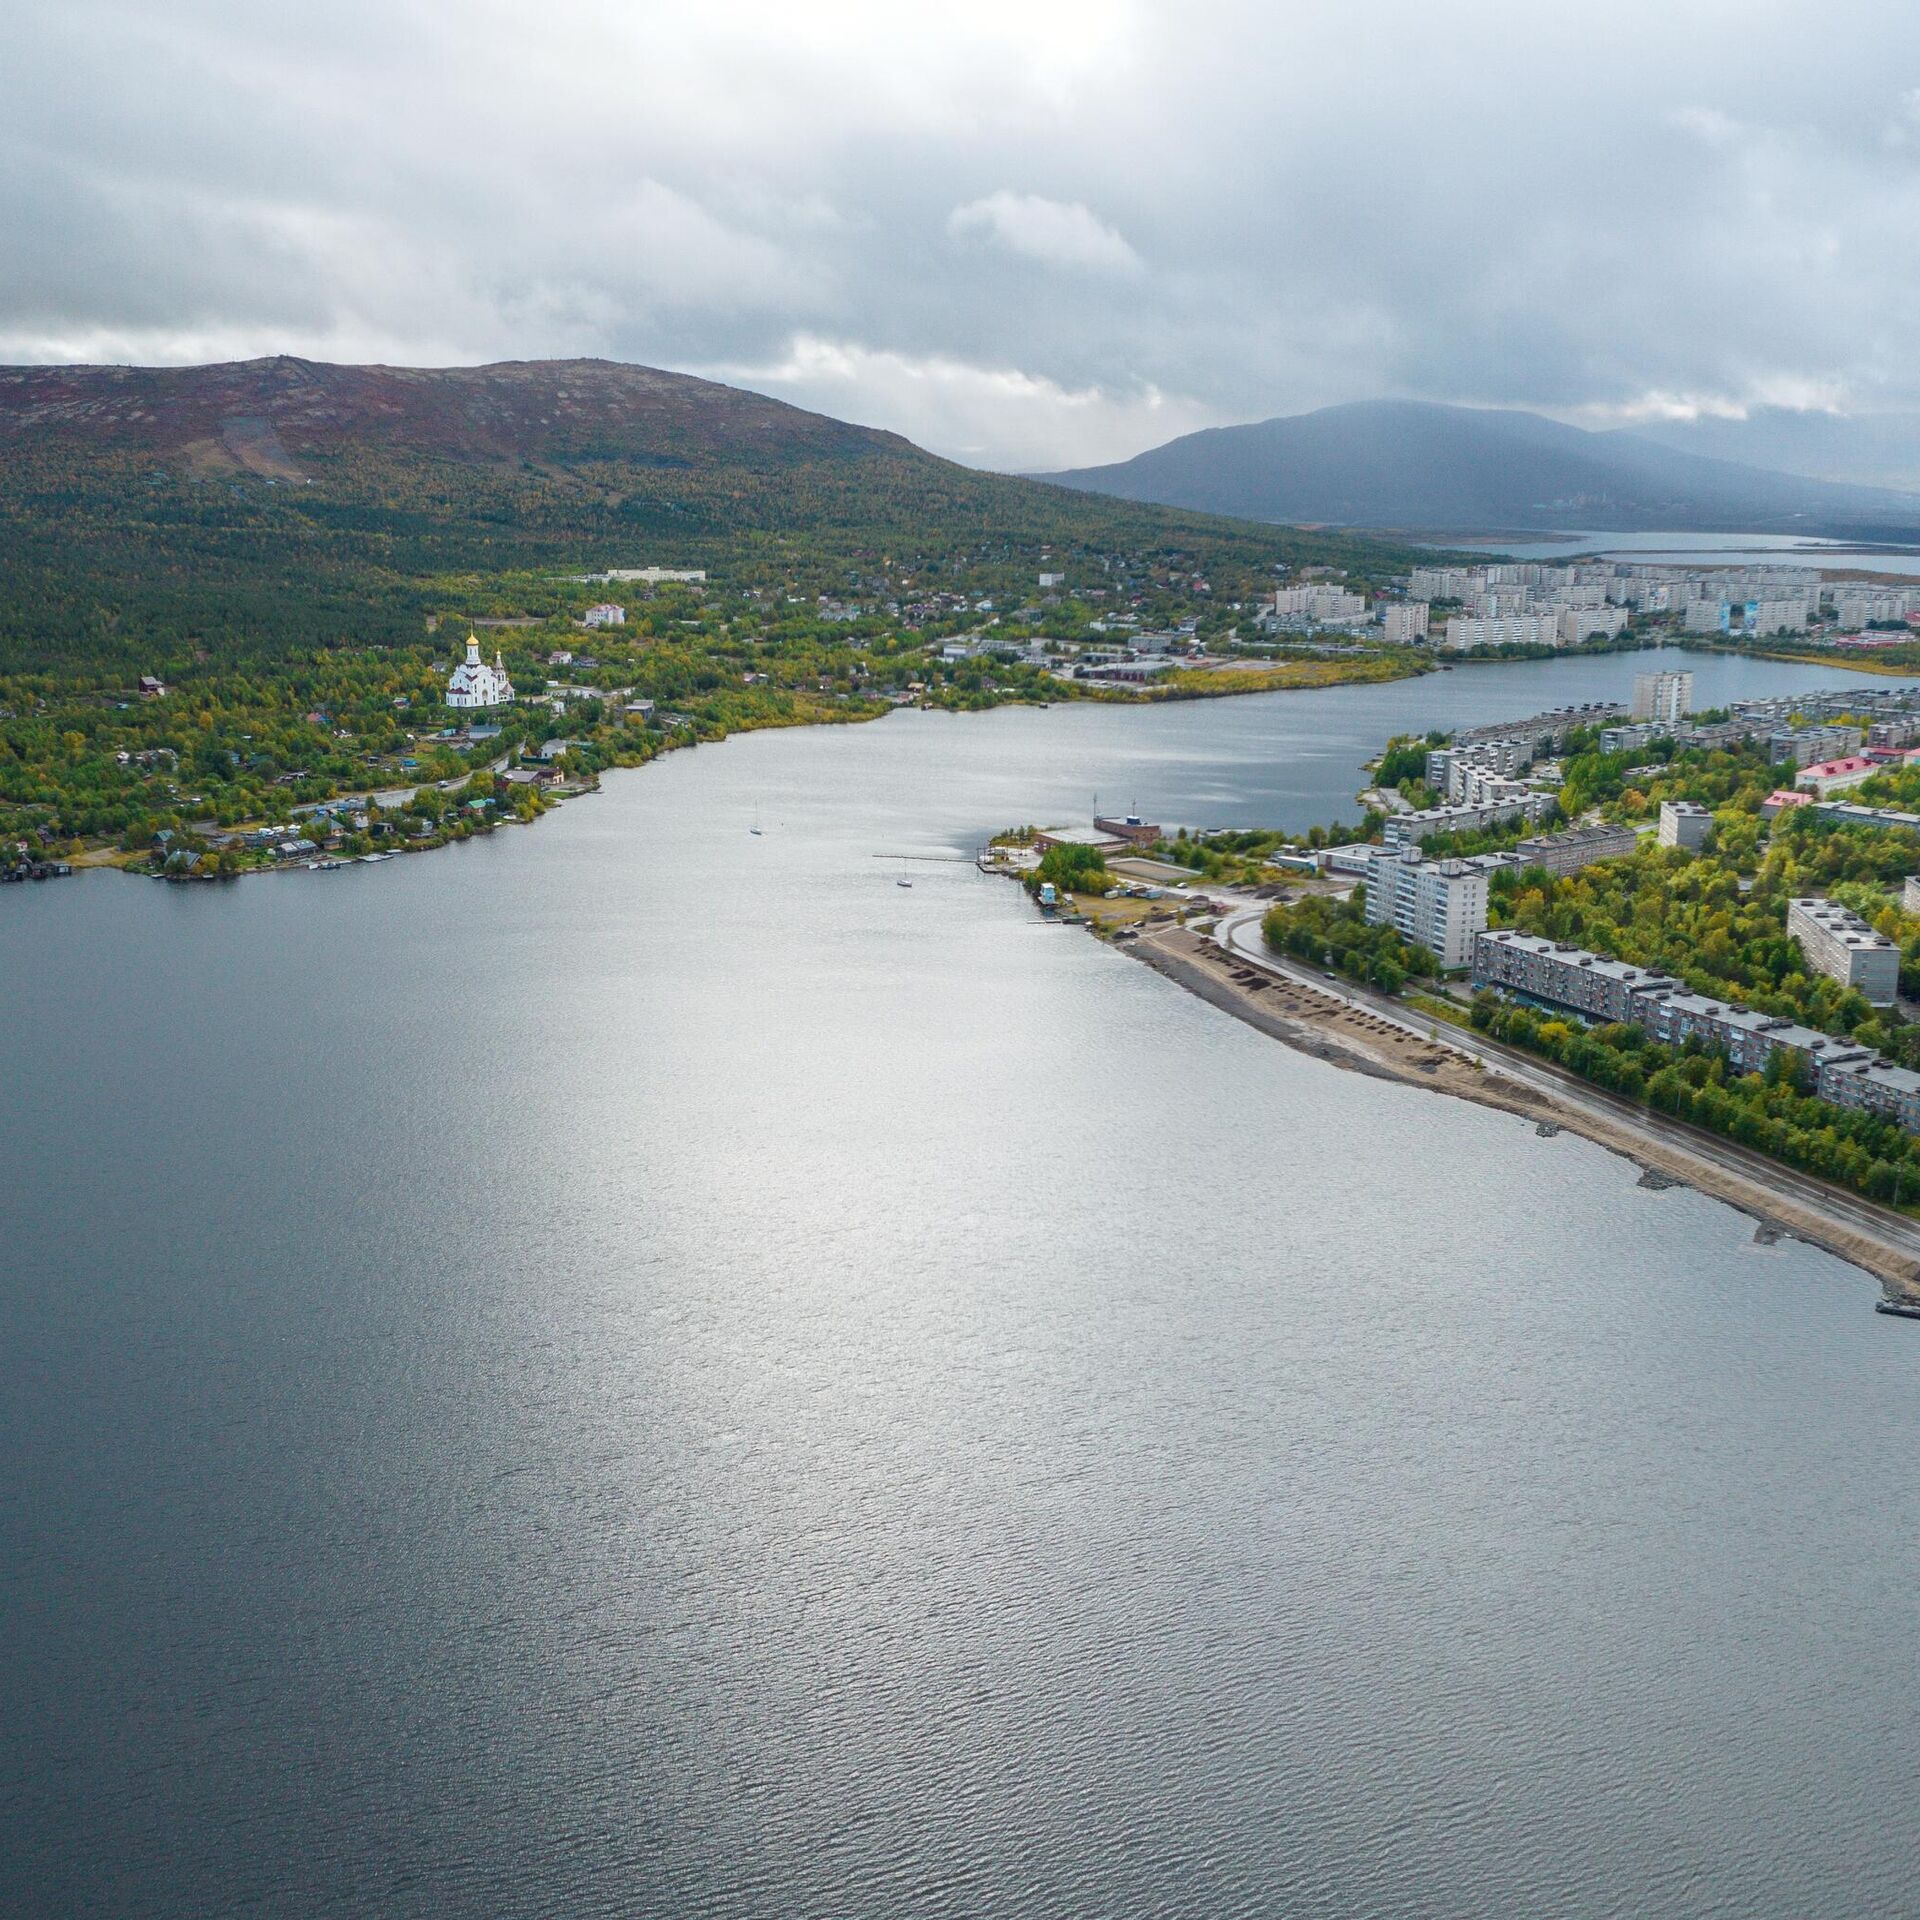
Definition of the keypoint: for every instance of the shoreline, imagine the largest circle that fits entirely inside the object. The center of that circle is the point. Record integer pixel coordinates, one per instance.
(1318, 677)
(1345, 1034)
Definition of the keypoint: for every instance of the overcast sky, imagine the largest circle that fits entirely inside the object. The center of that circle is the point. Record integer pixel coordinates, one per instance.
(1025, 232)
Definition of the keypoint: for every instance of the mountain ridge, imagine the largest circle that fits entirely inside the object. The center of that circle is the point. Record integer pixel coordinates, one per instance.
(499, 411)
(1420, 465)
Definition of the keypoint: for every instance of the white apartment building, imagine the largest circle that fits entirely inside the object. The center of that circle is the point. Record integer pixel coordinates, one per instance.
(1520, 629)
(1576, 593)
(1785, 615)
(1437, 904)
(1404, 620)
(1443, 583)
(1855, 608)
(1409, 829)
(1320, 603)
(1663, 698)
(1841, 945)
(1582, 622)
(1496, 603)
(1706, 616)
(606, 614)
(1684, 823)
(1485, 787)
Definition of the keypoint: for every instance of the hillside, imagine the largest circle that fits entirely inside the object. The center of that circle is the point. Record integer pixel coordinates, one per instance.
(1408, 465)
(283, 502)
(271, 416)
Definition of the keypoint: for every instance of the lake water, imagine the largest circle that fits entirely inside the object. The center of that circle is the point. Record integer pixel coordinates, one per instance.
(629, 1368)
(1711, 550)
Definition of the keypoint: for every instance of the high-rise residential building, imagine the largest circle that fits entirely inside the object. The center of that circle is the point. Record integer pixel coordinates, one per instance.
(1583, 622)
(1404, 620)
(1519, 629)
(1785, 614)
(1706, 616)
(1664, 698)
(1437, 904)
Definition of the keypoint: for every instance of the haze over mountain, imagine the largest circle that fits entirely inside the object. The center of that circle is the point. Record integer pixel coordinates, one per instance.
(1873, 450)
(1417, 466)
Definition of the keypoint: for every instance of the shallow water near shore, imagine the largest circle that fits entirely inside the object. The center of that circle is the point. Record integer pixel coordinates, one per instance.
(630, 1367)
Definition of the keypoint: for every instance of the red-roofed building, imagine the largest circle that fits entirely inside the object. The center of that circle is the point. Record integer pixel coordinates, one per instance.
(1834, 776)
(1780, 799)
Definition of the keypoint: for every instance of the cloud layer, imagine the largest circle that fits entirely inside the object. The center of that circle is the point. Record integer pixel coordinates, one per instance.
(1028, 235)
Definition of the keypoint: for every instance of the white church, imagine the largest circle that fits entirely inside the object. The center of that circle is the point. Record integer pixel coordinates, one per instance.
(475, 684)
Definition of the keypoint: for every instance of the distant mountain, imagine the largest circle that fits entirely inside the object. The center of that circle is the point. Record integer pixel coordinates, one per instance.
(1871, 450)
(1420, 467)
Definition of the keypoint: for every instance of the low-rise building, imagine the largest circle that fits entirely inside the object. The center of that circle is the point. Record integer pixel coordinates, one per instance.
(1910, 894)
(1129, 827)
(1576, 848)
(1838, 943)
(1569, 979)
(1835, 776)
(1808, 746)
(1864, 1080)
(1633, 738)
(1560, 975)
(1410, 829)
(606, 614)
(1684, 823)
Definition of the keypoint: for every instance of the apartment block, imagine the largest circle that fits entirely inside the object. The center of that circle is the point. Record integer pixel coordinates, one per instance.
(1838, 943)
(1684, 823)
(1506, 630)
(1576, 848)
(1665, 698)
(1404, 621)
(1805, 745)
(1410, 829)
(1437, 904)
(1779, 615)
(1569, 979)
(1583, 623)
(1631, 739)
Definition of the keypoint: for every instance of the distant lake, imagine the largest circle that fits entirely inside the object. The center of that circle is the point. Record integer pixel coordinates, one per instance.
(1708, 550)
(633, 1368)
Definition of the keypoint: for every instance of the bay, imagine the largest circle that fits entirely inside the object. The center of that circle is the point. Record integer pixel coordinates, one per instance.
(630, 1367)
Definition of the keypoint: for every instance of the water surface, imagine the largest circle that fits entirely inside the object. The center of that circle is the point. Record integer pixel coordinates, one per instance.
(634, 1368)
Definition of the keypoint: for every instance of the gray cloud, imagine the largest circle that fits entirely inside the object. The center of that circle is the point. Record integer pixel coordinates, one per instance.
(1030, 235)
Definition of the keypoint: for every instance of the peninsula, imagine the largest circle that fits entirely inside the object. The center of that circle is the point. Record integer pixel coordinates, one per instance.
(1693, 938)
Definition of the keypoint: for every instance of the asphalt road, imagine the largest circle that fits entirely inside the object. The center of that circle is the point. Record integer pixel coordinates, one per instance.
(1239, 935)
